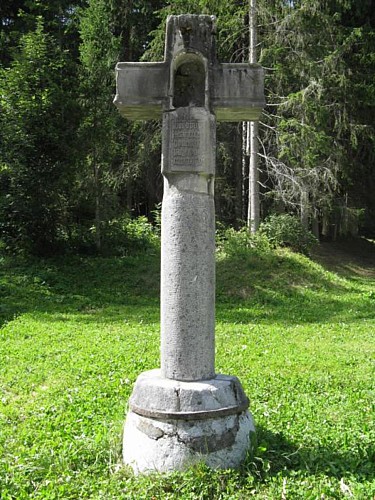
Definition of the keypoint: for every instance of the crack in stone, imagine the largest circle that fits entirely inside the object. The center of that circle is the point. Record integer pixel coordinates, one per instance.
(206, 443)
(177, 391)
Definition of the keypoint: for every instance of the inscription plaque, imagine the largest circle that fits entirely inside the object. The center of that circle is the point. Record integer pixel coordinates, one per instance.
(191, 144)
(185, 146)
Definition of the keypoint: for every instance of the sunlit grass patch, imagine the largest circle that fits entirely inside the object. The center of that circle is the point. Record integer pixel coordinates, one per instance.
(76, 333)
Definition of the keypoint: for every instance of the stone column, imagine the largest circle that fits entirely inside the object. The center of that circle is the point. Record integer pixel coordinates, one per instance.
(184, 413)
(188, 245)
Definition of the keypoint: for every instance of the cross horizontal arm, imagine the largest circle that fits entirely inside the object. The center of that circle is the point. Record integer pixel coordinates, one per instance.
(141, 89)
(238, 93)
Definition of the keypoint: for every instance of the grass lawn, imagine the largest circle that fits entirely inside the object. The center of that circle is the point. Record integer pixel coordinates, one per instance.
(299, 334)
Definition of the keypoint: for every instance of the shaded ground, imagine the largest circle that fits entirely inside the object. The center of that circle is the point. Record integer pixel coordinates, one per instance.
(351, 257)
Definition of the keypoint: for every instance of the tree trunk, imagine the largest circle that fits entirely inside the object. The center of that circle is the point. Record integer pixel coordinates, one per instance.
(98, 211)
(253, 211)
(315, 226)
(305, 208)
(129, 196)
(253, 214)
(252, 31)
(238, 176)
(325, 224)
(245, 171)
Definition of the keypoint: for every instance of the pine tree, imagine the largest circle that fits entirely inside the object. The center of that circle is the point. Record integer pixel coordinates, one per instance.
(37, 127)
(98, 54)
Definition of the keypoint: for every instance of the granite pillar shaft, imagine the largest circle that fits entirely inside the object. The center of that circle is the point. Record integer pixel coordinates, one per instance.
(188, 245)
(188, 278)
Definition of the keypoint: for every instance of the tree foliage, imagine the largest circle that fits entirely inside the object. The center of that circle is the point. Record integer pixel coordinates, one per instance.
(69, 165)
(38, 124)
(318, 113)
(98, 54)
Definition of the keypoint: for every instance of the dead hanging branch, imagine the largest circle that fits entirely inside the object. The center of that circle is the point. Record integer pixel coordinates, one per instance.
(290, 183)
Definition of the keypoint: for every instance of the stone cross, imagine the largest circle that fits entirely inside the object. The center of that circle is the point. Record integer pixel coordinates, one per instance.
(190, 91)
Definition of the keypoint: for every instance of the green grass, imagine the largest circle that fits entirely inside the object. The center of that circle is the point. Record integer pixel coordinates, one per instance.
(76, 333)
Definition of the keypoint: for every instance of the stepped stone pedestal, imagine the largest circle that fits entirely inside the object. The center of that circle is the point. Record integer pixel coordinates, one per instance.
(185, 412)
(173, 424)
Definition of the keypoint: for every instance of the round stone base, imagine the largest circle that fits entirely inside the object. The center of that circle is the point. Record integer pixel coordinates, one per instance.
(172, 425)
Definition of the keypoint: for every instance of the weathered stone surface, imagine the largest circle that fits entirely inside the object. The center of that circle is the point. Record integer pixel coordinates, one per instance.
(190, 75)
(188, 246)
(141, 90)
(238, 92)
(157, 396)
(187, 33)
(187, 284)
(159, 445)
(189, 138)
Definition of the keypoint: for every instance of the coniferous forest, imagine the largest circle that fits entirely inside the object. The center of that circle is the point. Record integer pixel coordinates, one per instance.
(74, 174)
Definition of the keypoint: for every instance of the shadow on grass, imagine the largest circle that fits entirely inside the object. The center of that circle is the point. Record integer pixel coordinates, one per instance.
(275, 454)
(287, 288)
(353, 258)
(85, 286)
(267, 288)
